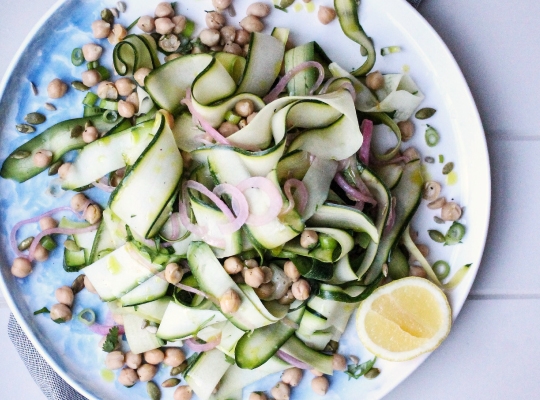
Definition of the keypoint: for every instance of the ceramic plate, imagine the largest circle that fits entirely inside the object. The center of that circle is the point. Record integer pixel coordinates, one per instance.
(71, 348)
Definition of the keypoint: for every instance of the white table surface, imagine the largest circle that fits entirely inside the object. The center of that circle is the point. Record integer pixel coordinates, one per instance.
(493, 349)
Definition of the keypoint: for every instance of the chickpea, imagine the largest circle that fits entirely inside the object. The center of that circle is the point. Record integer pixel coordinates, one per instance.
(258, 9)
(281, 391)
(146, 24)
(268, 274)
(125, 86)
(291, 271)
(183, 393)
(250, 117)
(128, 377)
(78, 202)
(117, 34)
(56, 88)
(146, 372)
(243, 123)
(265, 291)
(64, 295)
(415, 270)
(169, 43)
(209, 37)
(320, 385)
(179, 22)
(339, 363)
(233, 48)
(288, 298)
(114, 360)
(228, 33)
(251, 263)
(407, 130)
(301, 289)
(89, 286)
(92, 52)
(174, 357)
(450, 211)
(92, 214)
(238, 278)
(60, 312)
(164, 26)
(244, 108)
(254, 277)
(230, 302)
(411, 154)
(90, 134)
(101, 29)
(423, 249)
(252, 24)
(326, 15)
(292, 376)
(21, 267)
(257, 396)
(308, 239)
(375, 80)
(140, 75)
(173, 273)
(436, 204)
(432, 190)
(154, 357)
(233, 265)
(133, 361)
(164, 9)
(242, 37)
(316, 372)
(125, 109)
(42, 158)
(91, 77)
(47, 223)
(64, 170)
(172, 56)
(107, 90)
(221, 5)
(41, 253)
(215, 20)
(228, 128)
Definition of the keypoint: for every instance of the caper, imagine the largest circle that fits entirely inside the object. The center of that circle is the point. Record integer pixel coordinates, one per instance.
(35, 118)
(76, 131)
(26, 243)
(372, 373)
(71, 245)
(78, 284)
(50, 107)
(171, 382)
(107, 16)
(448, 168)
(79, 86)
(25, 128)
(20, 154)
(153, 391)
(425, 113)
(53, 169)
(436, 236)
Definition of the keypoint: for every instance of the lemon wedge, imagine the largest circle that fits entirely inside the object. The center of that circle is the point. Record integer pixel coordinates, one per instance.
(403, 319)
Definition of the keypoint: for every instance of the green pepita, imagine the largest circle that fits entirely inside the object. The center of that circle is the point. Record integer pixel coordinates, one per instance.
(71, 245)
(438, 220)
(107, 16)
(448, 167)
(53, 169)
(76, 131)
(372, 373)
(178, 370)
(79, 86)
(35, 118)
(20, 154)
(78, 284)
(25, 128)
(436, 236)
(26, 243)
(425, 113)
(50, 107)
(171, 382)
(153, 391)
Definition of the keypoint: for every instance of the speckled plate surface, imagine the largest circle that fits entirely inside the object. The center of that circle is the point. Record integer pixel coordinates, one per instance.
(71, 348)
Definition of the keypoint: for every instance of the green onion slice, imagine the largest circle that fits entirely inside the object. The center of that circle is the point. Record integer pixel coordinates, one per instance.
(232, 117)
(432, 136)
(390, 50)
(87, 316)
(454, 234)
(110, 116)
(90, 99)
(77, 57)
(441, 269)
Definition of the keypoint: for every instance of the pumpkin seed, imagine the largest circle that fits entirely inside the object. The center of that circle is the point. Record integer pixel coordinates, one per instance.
(429, 160)
(171, 382)
(25, 128)
(121, 6)
(448, 168)
(79, 86)
(178, 370)
(436, 236)
(71, 245)
(34, 88)
(76, 131)
(439, 220)
(425, 113)
(107, 16)
(50, 107)
(53, 169)
(35, 118)
(153, 391)
(78, 284)
(372, 373)
(20, 154)
(26, 243)
(114, 12)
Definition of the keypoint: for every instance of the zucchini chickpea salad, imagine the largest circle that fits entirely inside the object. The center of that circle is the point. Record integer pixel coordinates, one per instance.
(249, 210)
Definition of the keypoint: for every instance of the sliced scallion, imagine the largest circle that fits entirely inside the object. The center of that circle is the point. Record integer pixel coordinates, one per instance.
(110, 116)
(132, 25)
(432, 136)
(77, 57)
(87, 316)
(189, 28)
(441, 158)
(103, 72)
(92, 65)
(232, 117)
(441, 269)
(108, 104)
(390, 50)
(454, 234)
(90, 99)
(48, 243)
(91, 111)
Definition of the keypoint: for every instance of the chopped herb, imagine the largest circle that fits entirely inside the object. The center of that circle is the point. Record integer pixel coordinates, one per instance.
(357, 370)
(190, 361)
(229, 359)
(390, 50)
(133, 215)
(59, 320)
(280, 8)
(441, 158)
(133, 24)
(111, 341)
(43, 310)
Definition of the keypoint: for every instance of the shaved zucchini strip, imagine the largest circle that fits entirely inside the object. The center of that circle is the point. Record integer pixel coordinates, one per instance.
(413, 250)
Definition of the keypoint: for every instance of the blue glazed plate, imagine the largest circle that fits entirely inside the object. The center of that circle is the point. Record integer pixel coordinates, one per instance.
(71, 348)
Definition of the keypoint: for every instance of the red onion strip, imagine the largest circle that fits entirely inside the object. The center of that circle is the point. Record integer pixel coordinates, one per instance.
(289, 75)
(301, 192)
(218, 137)
(18, 225)
(353, 193)
(291, 360)
(102, 186)
(104, 329)
(61, 231)
(344, 85)
(274, 197)
(199, 347)
(367, 131)
(239, 204)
